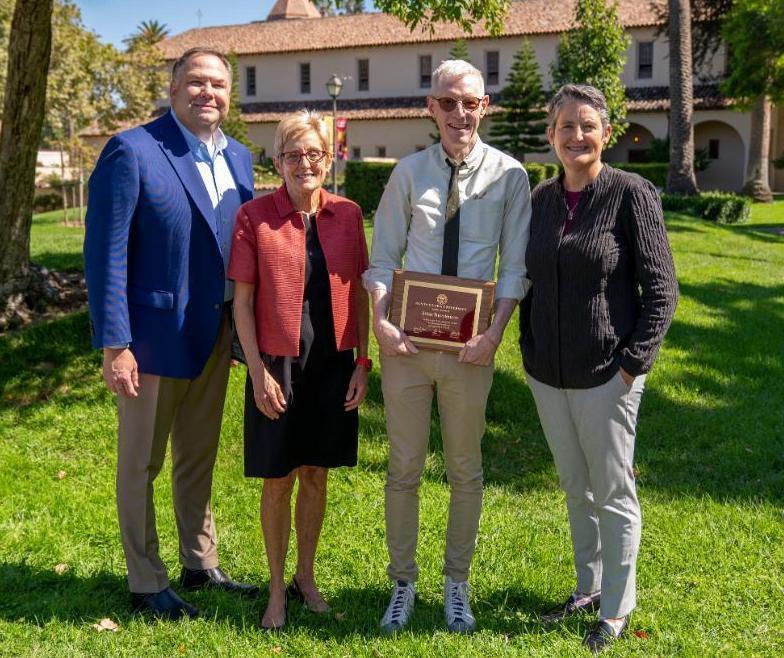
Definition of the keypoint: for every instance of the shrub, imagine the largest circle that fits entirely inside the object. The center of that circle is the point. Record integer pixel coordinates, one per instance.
(46, 201)
(719, 207)
(656, 172)
(365, 182)
(540, 171)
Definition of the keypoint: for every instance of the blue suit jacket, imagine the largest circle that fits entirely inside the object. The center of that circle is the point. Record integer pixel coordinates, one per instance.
(155, 276)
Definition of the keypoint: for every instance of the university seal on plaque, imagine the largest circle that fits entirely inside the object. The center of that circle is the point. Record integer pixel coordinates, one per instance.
(440, 312)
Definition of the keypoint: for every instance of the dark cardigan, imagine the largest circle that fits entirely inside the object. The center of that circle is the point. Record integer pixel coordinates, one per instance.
(603, 295)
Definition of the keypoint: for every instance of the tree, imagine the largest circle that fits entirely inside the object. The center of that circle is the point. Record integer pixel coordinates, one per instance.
(29, 48)
(594, 53)
(680, 176)
(460, 51)
(233, 125)
(754, 30)
(464, 13)
(148, 33)
(522, 125)
(6, 11)
(334, 7)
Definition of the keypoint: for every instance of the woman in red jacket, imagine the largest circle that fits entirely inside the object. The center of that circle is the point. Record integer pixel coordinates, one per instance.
(300, 311)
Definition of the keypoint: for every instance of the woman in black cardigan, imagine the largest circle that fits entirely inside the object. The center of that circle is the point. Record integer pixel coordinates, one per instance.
(603, 295)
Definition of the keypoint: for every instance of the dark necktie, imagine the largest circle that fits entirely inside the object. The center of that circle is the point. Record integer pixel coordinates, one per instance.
(452, 225)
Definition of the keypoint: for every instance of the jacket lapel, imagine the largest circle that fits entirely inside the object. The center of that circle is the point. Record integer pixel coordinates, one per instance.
(176, 150)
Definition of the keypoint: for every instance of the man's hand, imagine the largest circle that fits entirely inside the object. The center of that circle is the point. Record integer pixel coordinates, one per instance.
(267, 394)
(120, 371)
(392, 340)
(479, 350)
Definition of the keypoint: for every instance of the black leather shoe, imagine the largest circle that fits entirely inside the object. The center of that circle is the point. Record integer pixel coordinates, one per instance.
(572, 606)
(193, 579)
(164, 604)
(603, 635)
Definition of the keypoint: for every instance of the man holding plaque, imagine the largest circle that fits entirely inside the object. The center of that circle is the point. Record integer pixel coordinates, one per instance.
(451, 211)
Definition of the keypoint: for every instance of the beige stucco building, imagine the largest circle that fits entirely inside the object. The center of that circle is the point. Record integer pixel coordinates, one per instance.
(285, 61)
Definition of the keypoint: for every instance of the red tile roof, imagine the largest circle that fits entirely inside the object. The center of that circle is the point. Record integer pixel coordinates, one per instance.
(526, 17)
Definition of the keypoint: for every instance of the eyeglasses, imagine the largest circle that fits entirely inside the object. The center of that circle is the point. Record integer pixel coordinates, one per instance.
(469, 103)
(293, 157)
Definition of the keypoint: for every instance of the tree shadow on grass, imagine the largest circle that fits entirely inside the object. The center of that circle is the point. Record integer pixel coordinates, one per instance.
(52, 358)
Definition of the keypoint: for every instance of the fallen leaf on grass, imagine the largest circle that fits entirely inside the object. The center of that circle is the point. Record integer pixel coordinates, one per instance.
(277, 649)
(106, 624)
(643, 635)
(61, 475)
(377, 654)
(182, 648)
(340, 616)
(60, 569)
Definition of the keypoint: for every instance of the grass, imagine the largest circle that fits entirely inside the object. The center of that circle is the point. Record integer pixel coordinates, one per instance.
(710, 462)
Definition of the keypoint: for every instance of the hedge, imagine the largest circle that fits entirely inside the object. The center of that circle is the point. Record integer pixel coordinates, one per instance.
(656, 172)
(365, 182)
(719, 207)
(46, 201)
(539, 171)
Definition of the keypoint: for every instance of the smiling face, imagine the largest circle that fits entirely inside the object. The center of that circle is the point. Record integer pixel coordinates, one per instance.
(200, 95)
(304, 179)
(578, 137)
(458, 128)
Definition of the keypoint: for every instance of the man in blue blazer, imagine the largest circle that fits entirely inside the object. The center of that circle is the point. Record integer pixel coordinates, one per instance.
(162, 203)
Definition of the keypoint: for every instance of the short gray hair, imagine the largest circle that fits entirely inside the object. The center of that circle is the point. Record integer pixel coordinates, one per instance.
(451, 69)
(198, 51)
(582, 94)
(297, 124)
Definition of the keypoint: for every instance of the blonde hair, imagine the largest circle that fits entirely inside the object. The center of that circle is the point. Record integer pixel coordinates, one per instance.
(297, 124)
(452, 69)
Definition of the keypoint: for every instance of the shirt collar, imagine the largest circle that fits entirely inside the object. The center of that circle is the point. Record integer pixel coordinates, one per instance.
(200, 149)
(472, 159)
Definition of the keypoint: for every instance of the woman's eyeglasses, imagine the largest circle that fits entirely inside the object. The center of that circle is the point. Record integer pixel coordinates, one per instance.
(469, 103)
(293, 157)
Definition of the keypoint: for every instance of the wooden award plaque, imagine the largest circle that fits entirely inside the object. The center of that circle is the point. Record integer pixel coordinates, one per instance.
(440, 312)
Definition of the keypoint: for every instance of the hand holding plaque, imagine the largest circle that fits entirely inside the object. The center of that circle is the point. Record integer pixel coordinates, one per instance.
(440, 312)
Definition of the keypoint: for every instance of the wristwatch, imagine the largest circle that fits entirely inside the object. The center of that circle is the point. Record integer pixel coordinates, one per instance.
(363, 361)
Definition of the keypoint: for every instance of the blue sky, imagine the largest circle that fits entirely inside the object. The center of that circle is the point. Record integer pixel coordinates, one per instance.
(114, 20)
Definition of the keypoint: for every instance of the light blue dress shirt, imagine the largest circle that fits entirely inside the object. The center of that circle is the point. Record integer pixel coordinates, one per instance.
(217, 177)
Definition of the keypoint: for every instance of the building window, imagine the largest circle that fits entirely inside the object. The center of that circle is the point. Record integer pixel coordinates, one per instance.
(713, 149)
(645, 59)
(363, 74)
(491, 67)
(425, 71)
(250, 80)
(304, 78)
(356, 153)
(381, 151)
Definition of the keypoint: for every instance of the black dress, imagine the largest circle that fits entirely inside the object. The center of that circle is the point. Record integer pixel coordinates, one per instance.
(315, 430)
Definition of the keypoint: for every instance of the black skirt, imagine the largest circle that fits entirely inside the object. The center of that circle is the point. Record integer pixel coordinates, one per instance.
(315, 429)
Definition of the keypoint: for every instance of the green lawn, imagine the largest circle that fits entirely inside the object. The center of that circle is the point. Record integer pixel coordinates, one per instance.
(710, 460)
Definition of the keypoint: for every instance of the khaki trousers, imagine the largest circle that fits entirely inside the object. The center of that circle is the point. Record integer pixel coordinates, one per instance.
(408, 383)
(591, 434)
(190, 410)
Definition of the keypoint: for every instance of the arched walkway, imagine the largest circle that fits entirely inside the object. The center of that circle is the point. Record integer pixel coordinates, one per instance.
(726, 156)
(631, 147)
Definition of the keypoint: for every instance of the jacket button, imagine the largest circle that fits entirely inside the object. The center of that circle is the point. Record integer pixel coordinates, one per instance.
(217, 307)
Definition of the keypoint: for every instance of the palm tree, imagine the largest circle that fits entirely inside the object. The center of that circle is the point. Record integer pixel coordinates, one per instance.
(680, 178)
(147, 33)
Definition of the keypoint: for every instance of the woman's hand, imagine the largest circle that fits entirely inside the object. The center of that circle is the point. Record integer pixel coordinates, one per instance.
(357, 388)
(627, 378)
(267, 394)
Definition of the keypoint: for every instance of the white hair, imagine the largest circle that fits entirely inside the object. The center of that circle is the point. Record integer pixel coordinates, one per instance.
(452, 69)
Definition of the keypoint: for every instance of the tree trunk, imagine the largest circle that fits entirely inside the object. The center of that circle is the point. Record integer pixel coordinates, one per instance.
(680, 177)
(29, 47)
(757, 172)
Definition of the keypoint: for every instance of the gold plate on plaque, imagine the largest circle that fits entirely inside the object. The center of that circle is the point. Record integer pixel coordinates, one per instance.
(440, 312)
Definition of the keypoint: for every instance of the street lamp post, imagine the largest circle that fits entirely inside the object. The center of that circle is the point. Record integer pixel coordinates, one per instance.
(334, 87)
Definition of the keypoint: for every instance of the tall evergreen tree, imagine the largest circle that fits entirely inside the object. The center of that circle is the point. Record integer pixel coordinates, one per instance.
(233, 125)
(594, 53)
(522, 125)
(460, 51)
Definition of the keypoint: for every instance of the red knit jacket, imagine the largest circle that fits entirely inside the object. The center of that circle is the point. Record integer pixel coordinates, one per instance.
(268, 250)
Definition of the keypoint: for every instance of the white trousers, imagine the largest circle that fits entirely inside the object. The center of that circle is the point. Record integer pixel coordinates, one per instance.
(591, 435)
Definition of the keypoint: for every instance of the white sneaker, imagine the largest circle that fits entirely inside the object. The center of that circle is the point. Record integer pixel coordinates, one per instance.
(459, 618)
(401, 605)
